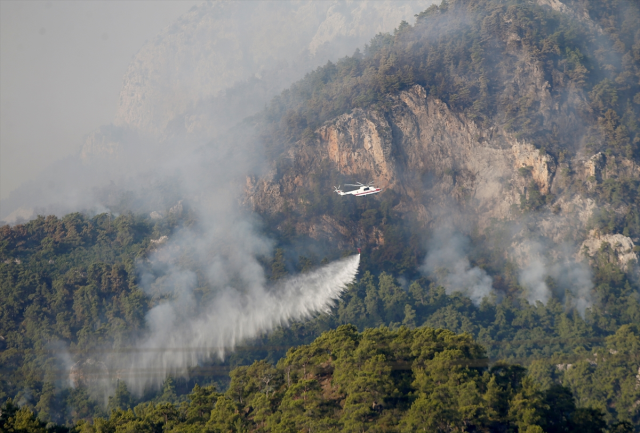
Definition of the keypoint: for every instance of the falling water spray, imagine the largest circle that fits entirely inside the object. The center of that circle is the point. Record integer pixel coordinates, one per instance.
(182, 336)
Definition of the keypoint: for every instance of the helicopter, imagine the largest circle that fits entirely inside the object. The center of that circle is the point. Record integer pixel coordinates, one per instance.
(362, 189)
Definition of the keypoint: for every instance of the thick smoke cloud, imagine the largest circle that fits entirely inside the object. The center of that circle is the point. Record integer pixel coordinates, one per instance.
(218, 256)
(545, 269)
(208, 279)
(532, 277)
(447, 261)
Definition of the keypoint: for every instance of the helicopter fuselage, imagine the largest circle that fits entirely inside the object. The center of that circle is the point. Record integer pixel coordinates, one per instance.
(362, 191)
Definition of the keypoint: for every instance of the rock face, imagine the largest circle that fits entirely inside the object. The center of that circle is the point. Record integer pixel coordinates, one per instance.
(420, 148)
(622, 247)
(445, 169)
(595, 165)
(106, 142)
(574, 9)
(222, 43)
(600, 167)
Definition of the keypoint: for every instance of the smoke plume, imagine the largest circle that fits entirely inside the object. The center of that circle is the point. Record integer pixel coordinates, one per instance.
(447, 261)
(543, 265)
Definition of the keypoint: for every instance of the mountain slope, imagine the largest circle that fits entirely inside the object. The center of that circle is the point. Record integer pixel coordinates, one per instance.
(480, 112)
(505, 136)
(378, 380)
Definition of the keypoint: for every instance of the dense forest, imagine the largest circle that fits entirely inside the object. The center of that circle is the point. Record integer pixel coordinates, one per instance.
(70, 286)
(396, 346)
(378, 380)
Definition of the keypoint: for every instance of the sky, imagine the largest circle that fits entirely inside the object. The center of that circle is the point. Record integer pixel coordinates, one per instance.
(61, 70)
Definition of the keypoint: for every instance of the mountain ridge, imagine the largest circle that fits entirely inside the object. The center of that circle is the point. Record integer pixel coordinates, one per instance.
(505, 135)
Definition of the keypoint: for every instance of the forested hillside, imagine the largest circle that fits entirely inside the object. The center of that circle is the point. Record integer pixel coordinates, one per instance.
(69, 287)
(379, 380)
(399, 351)
(464, 54)
(568, 86)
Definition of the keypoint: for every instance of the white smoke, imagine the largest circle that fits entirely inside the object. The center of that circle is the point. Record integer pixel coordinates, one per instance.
(532, 277)
(572, 277)
(448, 263)
(208, 277)
(182, 334)
(221, 62)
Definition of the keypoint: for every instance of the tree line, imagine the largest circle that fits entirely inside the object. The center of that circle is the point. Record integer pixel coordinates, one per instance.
(378, 380)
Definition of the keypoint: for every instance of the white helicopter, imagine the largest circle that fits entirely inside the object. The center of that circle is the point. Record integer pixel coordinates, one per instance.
(362, 189)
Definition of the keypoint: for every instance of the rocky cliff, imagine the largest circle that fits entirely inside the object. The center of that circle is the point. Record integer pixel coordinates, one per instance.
(516, 128)
(447, 171)
(421, 149)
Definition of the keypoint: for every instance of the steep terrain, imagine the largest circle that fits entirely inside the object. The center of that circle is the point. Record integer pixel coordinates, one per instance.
(220, 62)
(505, 135)
(508, 113)
(434, 157)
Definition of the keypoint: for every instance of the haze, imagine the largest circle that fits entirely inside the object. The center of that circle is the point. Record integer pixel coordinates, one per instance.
(61, 69)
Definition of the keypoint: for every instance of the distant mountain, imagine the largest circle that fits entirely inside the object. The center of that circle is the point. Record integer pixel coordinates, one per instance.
(482, 115)
(263, 45)
(220, 62)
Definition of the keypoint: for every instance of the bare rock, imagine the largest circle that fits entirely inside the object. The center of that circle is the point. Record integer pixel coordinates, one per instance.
(595, 165)
(420, 148)
(622, 246)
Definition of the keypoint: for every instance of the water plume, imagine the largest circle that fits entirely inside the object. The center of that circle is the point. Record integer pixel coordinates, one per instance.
(182, 334)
